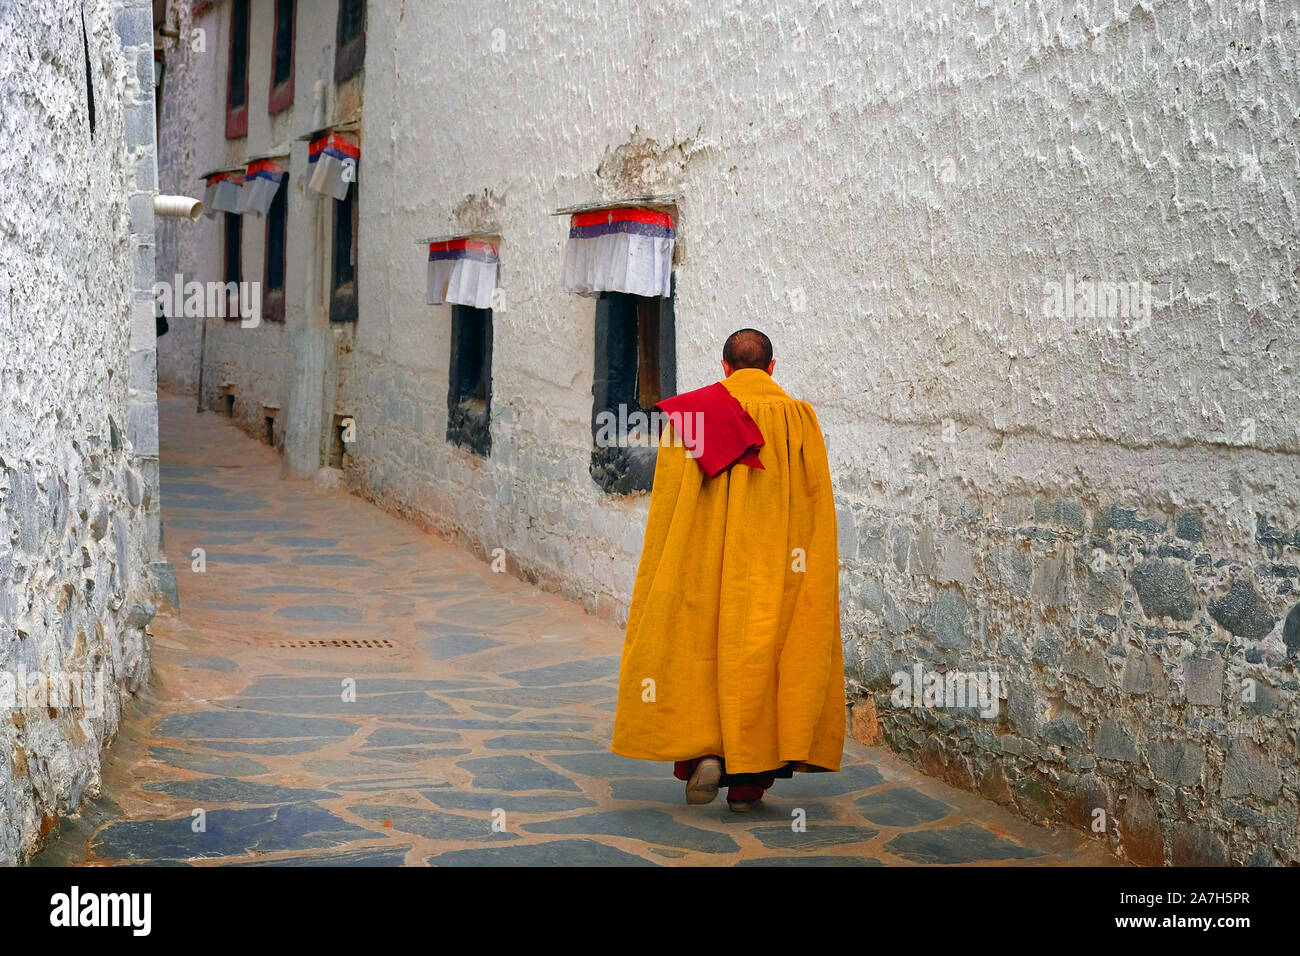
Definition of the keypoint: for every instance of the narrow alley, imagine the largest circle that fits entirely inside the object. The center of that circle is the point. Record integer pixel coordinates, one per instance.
(478, 730)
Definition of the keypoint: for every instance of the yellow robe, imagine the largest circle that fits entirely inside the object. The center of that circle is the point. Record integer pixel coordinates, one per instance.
(733, 637)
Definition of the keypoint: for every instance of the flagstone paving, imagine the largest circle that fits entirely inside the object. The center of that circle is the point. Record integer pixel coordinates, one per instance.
(465, 721)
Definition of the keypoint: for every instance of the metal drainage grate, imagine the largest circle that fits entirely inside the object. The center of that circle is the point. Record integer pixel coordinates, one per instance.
(367, 645)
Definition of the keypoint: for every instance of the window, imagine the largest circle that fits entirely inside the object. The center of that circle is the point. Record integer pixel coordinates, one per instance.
(469, 394)
(343, 293)
(237, 77)
(636, 366)
(277, 218)
(281, 97)
(232, 268)
(350, 43)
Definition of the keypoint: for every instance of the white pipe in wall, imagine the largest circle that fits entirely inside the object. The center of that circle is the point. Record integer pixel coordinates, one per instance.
(177, 207)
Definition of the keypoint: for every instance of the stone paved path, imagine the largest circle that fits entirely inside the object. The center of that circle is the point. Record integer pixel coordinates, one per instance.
(478, 699)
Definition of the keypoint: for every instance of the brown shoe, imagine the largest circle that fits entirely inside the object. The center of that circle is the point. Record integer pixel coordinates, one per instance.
(703, 785)
(743, 806)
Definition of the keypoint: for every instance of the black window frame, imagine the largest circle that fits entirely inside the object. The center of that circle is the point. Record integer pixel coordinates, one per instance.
(469, 380)
(622, 321)
(237, 113)
(280, 96)
(343, 281)
(277, 228)
(349, 39)
(232, 261)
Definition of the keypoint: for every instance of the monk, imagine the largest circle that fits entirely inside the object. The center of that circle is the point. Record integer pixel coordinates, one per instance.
(732, 664)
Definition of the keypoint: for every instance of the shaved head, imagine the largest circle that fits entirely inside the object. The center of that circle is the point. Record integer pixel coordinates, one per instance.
(748, 348)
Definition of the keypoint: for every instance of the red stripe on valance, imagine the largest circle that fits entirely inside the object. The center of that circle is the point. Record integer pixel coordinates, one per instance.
(454, 245)
(338, 142)
(268, 165)
(627, 214)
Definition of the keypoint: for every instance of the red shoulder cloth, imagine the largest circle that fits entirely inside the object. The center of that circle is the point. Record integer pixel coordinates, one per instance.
(715, 429)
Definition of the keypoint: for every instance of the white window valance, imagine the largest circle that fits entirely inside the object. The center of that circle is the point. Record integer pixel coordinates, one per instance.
(261, 182)
(223, 191)
(624, 249)
(463, 272)
(332, 164)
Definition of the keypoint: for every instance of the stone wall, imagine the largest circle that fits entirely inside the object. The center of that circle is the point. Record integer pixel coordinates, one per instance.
(1097, 501)
(134, 23)
(185, 84)
(1147, 657)
(78, 525)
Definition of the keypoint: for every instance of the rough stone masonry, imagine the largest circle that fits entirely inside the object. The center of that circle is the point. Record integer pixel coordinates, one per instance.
(1148, 660)
(78, 440)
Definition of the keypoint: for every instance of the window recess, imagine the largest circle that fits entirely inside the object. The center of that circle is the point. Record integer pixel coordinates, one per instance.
(237, 71)
(621, 253)
(280, 97)
(350, 39)
(333, 154)
(469, 390)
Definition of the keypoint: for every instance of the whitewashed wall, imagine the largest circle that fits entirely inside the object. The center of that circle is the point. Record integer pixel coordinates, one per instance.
(1103, 510)
(78, 508)
(256, 363)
